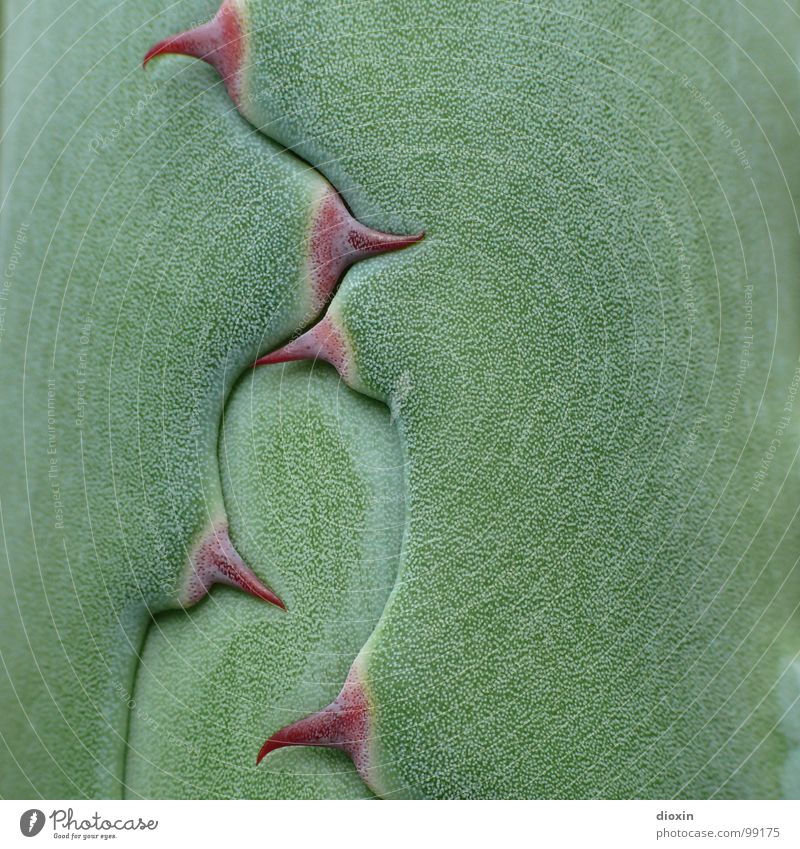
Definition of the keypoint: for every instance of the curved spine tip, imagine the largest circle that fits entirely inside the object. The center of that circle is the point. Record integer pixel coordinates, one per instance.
(201, 43)
(220, 42)
(324, 341)
(216, 561)
(344, 724)
(364, 240)
(337, 240)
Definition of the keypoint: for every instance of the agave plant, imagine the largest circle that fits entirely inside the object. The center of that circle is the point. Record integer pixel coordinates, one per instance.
(458, 342)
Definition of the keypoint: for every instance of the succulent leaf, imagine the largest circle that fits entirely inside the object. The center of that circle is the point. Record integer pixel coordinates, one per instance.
(588, 363)
(214, 684)
(167, 245)
(592, 366)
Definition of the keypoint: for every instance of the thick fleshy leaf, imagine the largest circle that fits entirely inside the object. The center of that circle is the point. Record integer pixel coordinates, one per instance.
(157, 244)
(214, 685)
(590, 360)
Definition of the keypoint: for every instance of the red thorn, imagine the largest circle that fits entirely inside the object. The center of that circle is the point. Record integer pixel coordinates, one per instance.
(216, 561)
(338, 240)
(323, 342)
(220, 42)
(344, 724)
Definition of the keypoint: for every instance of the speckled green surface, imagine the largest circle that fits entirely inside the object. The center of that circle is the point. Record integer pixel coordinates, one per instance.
(592, 362)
